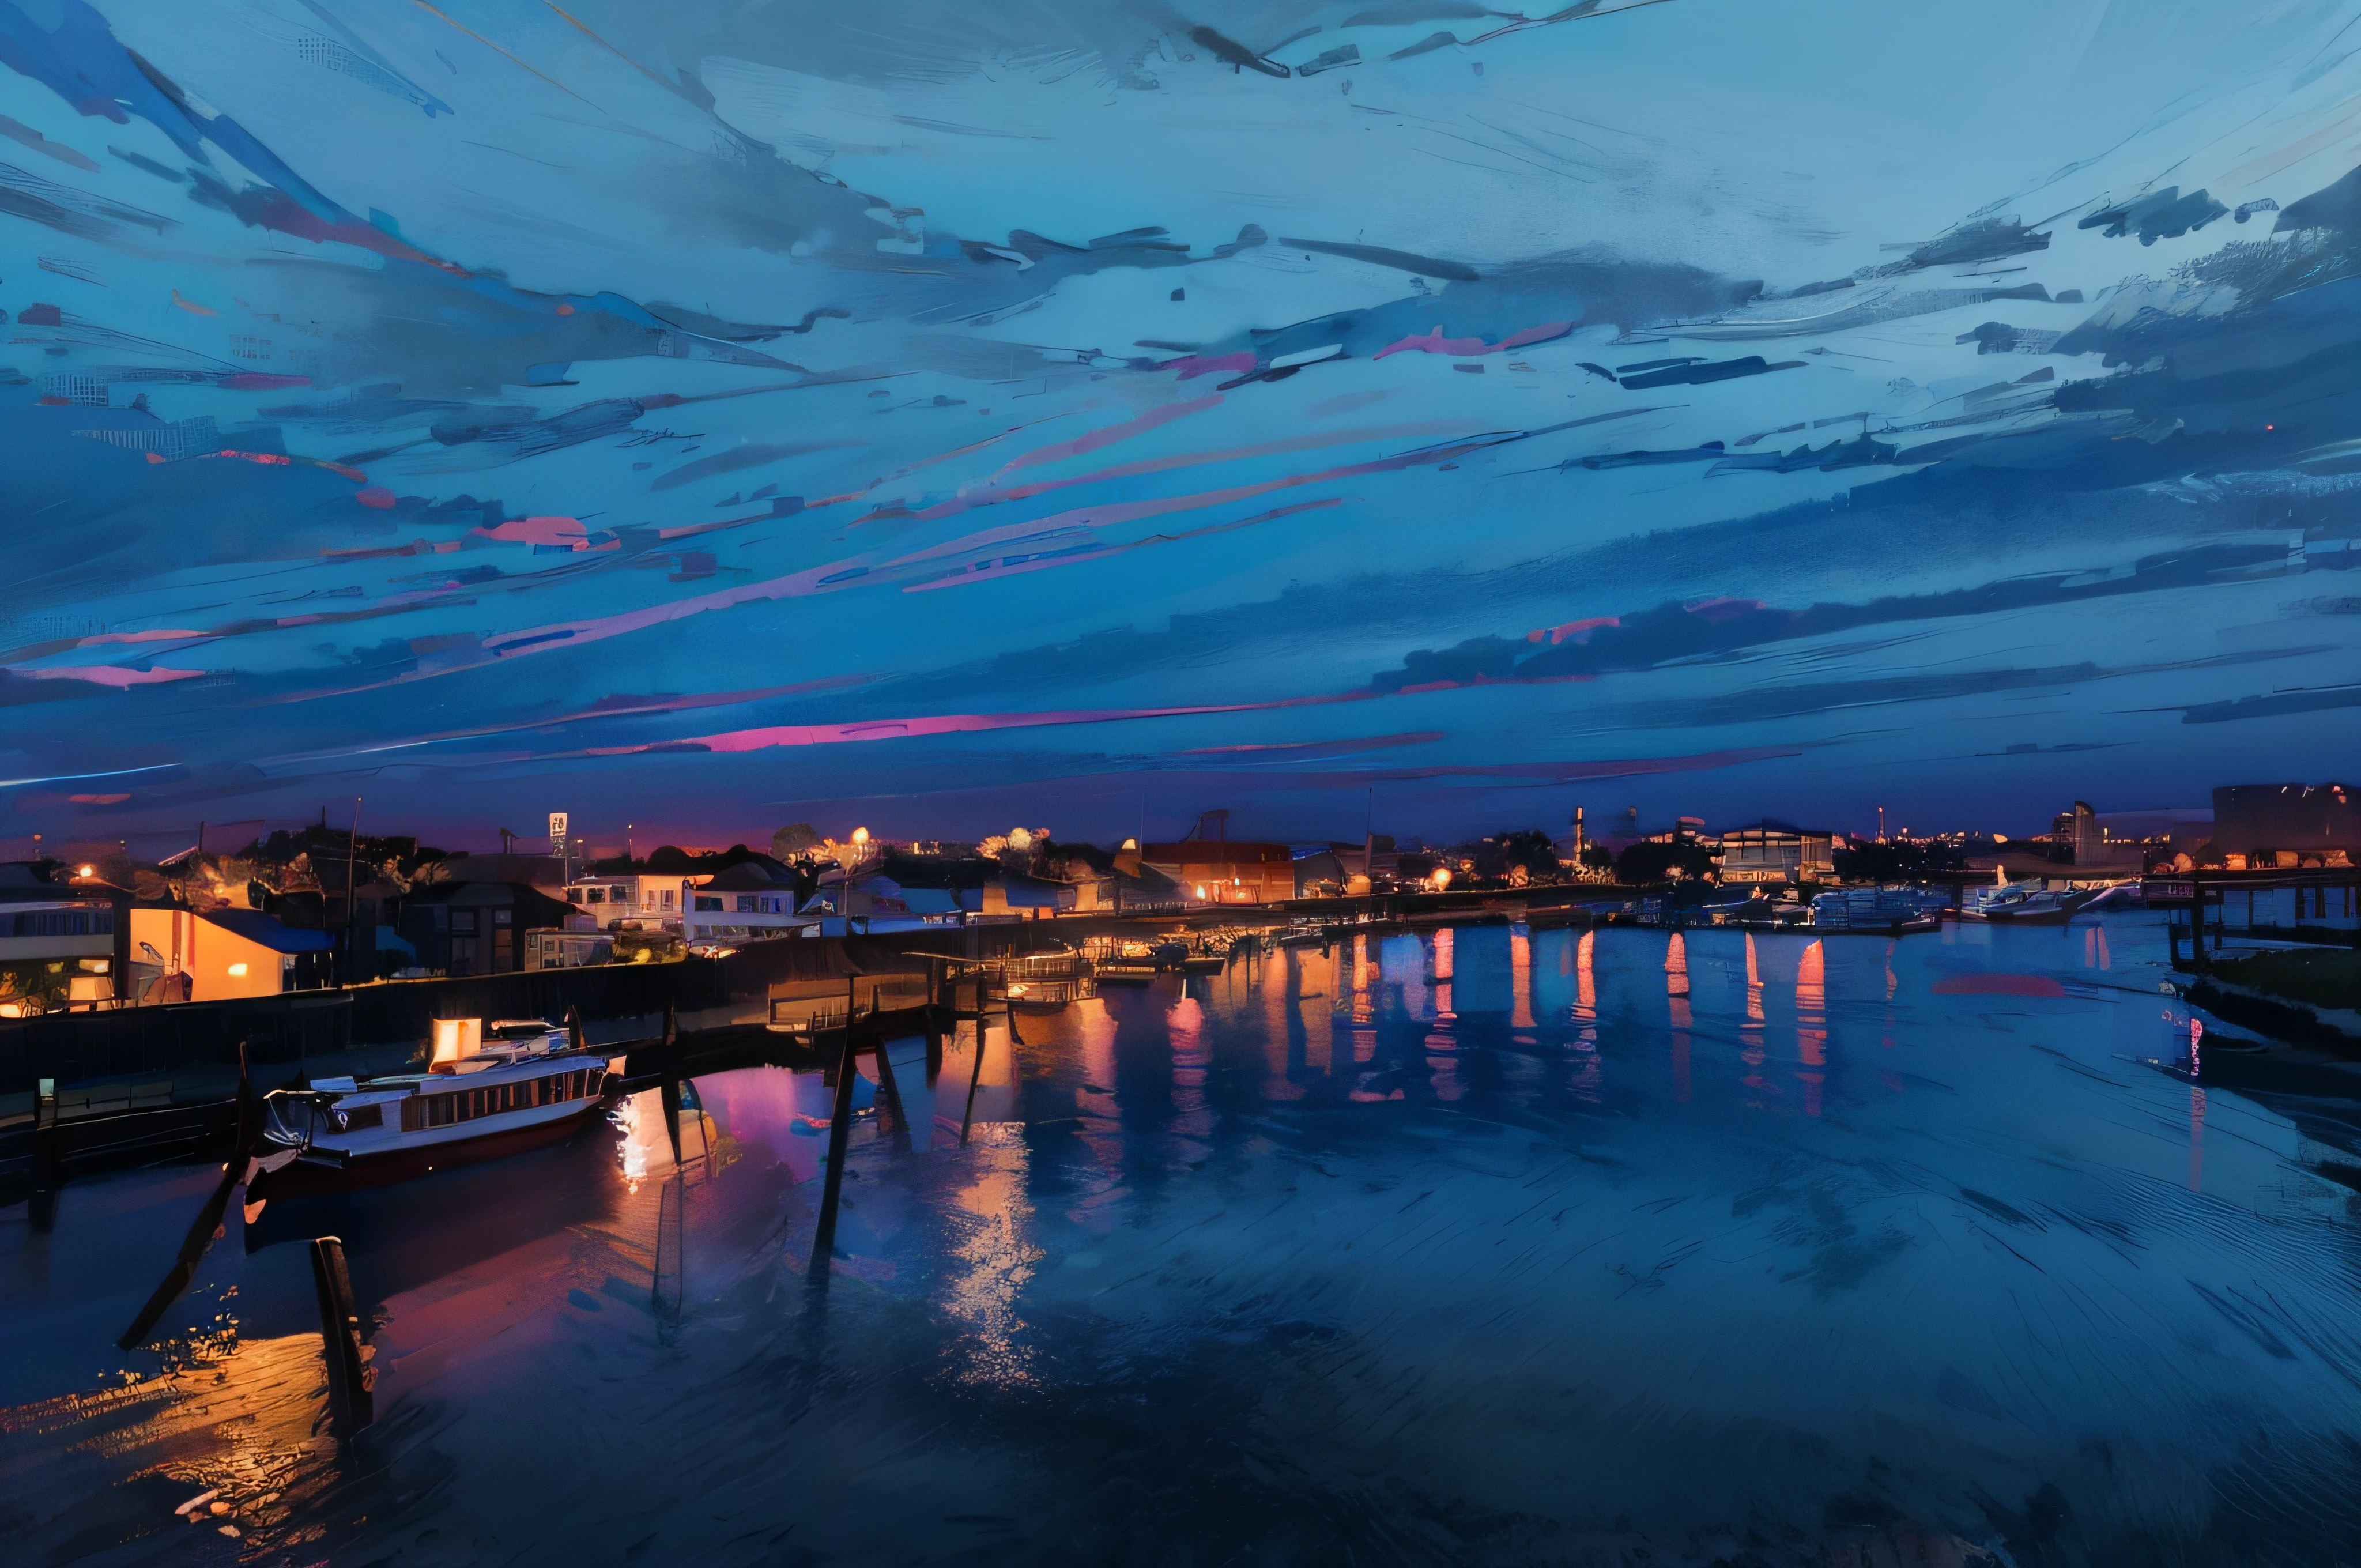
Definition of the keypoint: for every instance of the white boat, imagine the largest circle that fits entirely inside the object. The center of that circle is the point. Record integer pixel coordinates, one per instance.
(491, 1090)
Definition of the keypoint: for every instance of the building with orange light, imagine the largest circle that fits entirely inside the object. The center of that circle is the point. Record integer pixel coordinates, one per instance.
(1212, 872)
(207, 955)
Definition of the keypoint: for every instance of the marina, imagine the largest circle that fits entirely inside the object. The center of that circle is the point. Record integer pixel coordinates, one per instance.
(1432, 1247)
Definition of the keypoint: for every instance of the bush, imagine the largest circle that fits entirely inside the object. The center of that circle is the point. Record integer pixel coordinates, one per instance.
(1640, 865)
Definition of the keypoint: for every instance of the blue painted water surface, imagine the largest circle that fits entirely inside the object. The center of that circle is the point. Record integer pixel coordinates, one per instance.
(1481, 1246)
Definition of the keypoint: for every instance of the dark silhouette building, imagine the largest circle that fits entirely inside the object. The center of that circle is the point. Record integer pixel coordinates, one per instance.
(2287, 824)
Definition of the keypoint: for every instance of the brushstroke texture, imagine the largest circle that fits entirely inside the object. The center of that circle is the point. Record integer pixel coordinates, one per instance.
(1766, 420)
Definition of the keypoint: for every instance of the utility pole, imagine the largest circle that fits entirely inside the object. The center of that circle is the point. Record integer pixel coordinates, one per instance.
(352, 861)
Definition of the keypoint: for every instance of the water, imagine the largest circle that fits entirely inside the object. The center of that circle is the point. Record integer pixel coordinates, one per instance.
(1477, 1247)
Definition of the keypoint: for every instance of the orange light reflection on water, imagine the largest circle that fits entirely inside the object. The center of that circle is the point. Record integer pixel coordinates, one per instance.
(1676, 993)
(1811, 1024)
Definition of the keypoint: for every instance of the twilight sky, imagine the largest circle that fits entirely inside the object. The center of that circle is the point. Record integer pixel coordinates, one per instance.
(942, 414)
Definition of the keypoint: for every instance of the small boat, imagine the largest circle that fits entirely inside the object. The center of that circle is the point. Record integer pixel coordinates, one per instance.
(2039, 908)
(491, 1090)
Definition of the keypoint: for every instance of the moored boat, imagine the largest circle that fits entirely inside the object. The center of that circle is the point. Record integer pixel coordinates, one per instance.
(2039, 908)
(491, 1090)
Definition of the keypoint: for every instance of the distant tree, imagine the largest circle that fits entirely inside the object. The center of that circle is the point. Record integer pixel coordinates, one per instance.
(1598, 857)
(796, 838)
(1530, 851)
(671, 860)
(1646, 863)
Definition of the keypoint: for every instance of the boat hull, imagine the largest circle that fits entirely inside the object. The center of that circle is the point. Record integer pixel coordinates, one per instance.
(311, 1176)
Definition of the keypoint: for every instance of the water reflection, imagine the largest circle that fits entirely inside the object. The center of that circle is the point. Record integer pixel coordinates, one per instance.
(1811, 1024)
(1490, 1245)
(1676, 993)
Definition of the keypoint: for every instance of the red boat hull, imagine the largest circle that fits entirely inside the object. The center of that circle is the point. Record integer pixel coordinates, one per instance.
(307, 1178)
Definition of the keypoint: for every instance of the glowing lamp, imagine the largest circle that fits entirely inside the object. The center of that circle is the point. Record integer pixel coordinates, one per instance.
(1442, 878)
(87, 871)
(861, 835)
(237, 971)
(456, 1039)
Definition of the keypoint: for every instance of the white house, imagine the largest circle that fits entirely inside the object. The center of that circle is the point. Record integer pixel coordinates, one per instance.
(659, 901)
(744, 904)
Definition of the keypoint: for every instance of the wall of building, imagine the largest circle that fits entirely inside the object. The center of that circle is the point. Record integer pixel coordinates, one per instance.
(2303, 819)
(220, 964)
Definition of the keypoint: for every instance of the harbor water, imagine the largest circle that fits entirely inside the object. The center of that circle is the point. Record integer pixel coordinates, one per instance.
(1475, 1245)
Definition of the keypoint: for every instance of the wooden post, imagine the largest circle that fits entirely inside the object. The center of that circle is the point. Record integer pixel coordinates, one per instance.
(49, 1162)
(935, 970)
(839, 1131)
(668, 1094)
(968, 1116)
(352, 1403)
(2196, 921)
(887, 1084)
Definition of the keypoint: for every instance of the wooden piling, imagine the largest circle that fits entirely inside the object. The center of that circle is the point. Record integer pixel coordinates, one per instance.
(352, 1402)
(839, 1132)
(967, 1117)
(888, 1087)
(668, 1094)
(935, 968)
(48, 1159)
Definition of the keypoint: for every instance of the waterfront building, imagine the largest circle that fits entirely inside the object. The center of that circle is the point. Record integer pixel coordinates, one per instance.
(1771, 851)
(636, 896)
(2287, 825)
(742, 904)
(1213, 872)
(475, 927)
(57, 947)
(207, 955)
